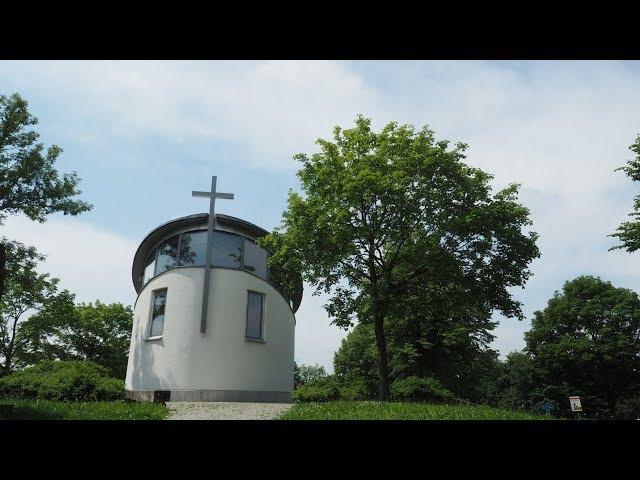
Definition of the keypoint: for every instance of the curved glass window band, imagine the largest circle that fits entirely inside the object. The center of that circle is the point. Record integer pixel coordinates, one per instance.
(188, 249)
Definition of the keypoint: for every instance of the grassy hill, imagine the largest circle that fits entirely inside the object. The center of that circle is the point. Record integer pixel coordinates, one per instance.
(401, 411)
(53, 410)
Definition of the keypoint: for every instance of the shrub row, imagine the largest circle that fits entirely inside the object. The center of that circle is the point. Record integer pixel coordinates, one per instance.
(406, 389)
(62, 380)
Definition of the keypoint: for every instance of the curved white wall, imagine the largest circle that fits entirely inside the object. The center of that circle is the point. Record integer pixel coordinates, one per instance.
(221, 359)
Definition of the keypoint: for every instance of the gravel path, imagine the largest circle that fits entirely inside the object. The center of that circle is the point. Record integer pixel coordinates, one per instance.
(225, 410)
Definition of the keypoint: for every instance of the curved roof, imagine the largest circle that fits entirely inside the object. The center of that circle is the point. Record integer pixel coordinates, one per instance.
(198, 219)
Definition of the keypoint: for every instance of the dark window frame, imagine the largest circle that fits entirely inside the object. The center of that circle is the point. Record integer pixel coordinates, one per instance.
(263, 296)
(152, 303)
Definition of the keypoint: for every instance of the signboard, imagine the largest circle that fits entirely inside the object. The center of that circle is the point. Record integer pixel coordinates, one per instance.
(576, 406)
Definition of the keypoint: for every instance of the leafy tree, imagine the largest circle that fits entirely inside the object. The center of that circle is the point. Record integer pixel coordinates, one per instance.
(444, 354)
(587, 342)
(29, 183)
(629, 232)
(518, 385)
(306, 373)
(25, 289)
(357, 357)
(442, 329)
(382, 213)
(63, 330)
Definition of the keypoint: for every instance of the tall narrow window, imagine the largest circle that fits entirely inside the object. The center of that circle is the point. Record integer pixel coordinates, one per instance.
(255, 311)
(255, 259)
(159, 301)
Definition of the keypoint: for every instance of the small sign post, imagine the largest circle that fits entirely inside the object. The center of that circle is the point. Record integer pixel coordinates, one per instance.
(576, 405)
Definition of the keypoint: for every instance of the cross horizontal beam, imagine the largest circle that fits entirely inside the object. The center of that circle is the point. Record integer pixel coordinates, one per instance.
(227, 196)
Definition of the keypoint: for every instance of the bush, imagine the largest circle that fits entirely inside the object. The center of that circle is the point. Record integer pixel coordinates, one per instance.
(420, 389)
(628, 409)
(357, 389)
(62, 380)
(320, 390)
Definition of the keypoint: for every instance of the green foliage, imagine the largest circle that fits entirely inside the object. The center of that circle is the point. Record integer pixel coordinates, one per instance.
(62, 380)
(320, 390)
(54, 410)
(420, 389)
(63, 330)
(24, 289)
(284, 266)
(357, 389)
(341, 410)
(382, 214)
(519, 385)
(629, 409)
(357, 356)
(585, 342)
(629, 232)
(303, 374)
(29, 183)
(425, 350)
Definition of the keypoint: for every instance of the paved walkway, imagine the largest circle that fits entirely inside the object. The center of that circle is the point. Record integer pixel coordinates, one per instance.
(225, 410)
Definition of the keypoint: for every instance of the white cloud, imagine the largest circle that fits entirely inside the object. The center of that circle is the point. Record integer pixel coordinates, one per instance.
(274, 109)
(90, 262)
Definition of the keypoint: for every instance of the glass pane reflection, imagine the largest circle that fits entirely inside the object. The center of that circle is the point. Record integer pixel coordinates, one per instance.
(227, 250)
(193, 249)
(157, 314)
(255, 259)
(166, 258)
(254, 315)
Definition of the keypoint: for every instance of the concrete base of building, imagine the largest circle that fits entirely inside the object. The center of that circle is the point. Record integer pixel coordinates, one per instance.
(208, 396)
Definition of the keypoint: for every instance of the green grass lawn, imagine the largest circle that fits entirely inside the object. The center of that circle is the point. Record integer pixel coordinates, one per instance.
(50, 410)
(401, 411)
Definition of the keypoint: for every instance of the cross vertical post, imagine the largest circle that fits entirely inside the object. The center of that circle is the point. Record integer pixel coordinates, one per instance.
(207, 266)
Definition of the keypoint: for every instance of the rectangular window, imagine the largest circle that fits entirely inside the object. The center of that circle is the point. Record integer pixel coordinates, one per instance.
(166, 258)
(227, 250)
(255, 259)
(158, 303)
(193, 249)
(255, 312)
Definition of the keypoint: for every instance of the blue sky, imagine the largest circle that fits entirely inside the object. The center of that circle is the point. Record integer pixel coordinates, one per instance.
(143, 135)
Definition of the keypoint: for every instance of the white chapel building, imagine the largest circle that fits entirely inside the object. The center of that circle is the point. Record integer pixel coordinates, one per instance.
(232, 340)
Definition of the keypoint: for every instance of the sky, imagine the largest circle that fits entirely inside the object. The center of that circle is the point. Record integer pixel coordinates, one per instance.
(143, 134)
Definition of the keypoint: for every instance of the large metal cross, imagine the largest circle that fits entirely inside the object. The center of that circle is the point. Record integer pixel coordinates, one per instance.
(207, 266)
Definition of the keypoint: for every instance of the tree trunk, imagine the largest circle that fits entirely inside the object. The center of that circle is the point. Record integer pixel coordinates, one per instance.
(381, 344)
(6, 368)
(3, 268)
(378, 317)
